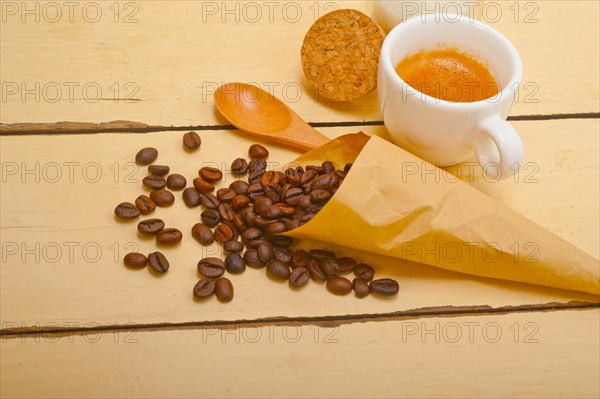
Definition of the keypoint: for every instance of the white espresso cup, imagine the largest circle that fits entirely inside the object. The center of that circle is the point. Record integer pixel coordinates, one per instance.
(443, 132)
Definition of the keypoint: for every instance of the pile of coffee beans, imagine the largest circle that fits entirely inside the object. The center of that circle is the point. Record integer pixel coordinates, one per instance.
(247, 218)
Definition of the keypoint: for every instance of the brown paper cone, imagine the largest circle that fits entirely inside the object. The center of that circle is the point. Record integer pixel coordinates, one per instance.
(396, 204)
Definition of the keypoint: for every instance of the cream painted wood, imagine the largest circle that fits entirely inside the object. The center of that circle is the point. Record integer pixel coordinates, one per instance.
(160, 62)
(62, 247)
(519, 355)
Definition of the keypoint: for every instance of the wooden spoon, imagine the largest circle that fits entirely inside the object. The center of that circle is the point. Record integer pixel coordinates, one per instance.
(257, 112)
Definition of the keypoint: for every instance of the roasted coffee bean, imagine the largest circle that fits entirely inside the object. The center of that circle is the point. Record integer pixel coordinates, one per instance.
(191, 140)
(341, 175)
(191, 197)
(145, 204)
(126, 210)
(204, 288)
(265, 251)
(360, 287)
(203, 233)
(319, 196)
(255, 177)
(261, 204)
(255, 191)
(159, 170)
(238, 222)
(210, 217)
(225, 232)
(239, 166)
(154, 182)
(300, 258)
(339, 285)
(321, 254)
(211, 267)
(233, 246)
(272, 212)
(292, 196)
(210, 174)
(251, 259)
(329, 267)
(249, 216)
(252, 233)
(286, 211)
(307, 177)
(317, 168)
(162, 197)
(345, 264)
(150, 226)
(169, 236)
(281, 241)
(226, 212)
(258, 151)
(135, 260)
(347, 167)
(384, 286)
(254, 243)
(202, 185)
(234, 263)
(240, 187)
(272, 177)
(176, 182)
(283, 255)
(225, 194)
(158, 262)
(328, 167)
(305, 203)
(272, 192)
(326, 182)
(146, 156)
(209, 201)
(223, 289)
(278, 270)
(258, 165)
(292, 224)
(315, 270)
(240, 201)
(299, 276)
(277, 227)
(364, 272)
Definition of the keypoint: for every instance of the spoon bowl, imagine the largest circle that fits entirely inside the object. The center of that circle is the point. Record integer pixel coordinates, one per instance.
(259, 113)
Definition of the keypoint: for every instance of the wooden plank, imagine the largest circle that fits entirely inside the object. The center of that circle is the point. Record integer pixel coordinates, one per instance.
(62, 247)
(519, 355)
(160, 62)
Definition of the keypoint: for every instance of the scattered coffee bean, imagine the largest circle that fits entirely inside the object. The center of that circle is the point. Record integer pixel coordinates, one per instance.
(191, 140)
(135, 260)
(210, 174)
(154, 182)
(191, 197)
(162, 197)
(300, 258)
(146, 156)
(223, 289)
(204, 288)
(145, 204)
(315, 271)
(283, 255)
(176, 182)
(364, 272)
(226, 194)
(239, 166)
(252, 233)
(240, 187)
(345, 265)
(209, 201)
(258, 151)
(329, 267)
(225, 232)
(361, 288)
(384, 286)
(226, 212)
(169, 236)
(319, 254)
(265, 251)
(234, 263)
(240, 201)
(158, 170)
(211, 267)
(251, 258)
(150, 226)
(258, 166)
(202, 185)
(126, 210)
(282, 241)
(299, 276)
(210, 217)
(278, 270)
(158, 262)
(233, 246)
(339, 285)
(203, 233)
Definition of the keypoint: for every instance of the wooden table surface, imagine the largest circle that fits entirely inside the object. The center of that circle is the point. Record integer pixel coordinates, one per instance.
(84, 86)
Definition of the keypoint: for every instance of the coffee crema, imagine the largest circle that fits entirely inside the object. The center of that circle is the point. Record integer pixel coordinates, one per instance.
(449, 75)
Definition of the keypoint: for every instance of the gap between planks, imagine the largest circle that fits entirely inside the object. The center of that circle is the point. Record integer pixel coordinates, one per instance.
(139, 127)
(329, 321)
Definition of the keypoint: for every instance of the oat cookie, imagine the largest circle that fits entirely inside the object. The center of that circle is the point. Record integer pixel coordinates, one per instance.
(340, 55)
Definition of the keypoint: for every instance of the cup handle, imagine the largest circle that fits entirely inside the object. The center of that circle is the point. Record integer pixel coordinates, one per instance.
(498, 148)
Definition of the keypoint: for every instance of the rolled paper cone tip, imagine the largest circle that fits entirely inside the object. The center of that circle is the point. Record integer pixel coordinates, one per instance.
(386, 206)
